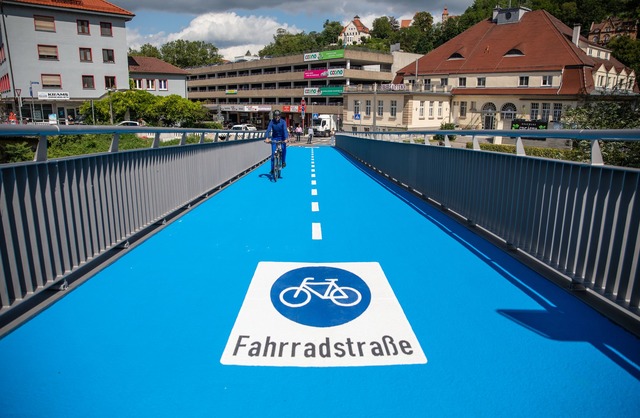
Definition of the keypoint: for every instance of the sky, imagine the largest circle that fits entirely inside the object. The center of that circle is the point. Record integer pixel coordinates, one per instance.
(238, 26)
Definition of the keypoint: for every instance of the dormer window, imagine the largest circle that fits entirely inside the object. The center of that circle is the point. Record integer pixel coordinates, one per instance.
(513, 53)
(456, 56)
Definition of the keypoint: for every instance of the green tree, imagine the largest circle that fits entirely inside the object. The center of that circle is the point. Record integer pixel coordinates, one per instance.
(185, 54)
(383, 28)
(605, 114)
(146, 50)
(286, 43)
(173, 109)
(330, 33)
(627, 50)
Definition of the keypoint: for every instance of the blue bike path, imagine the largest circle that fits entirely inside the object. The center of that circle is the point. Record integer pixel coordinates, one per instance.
(329, 293)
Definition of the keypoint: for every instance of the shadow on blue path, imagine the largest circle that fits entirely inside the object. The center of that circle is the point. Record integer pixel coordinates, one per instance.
(564, 318)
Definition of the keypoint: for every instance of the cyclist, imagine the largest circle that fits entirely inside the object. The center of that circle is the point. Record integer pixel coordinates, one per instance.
(277, 131)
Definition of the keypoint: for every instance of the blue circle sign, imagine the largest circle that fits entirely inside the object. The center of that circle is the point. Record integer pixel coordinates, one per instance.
(320, 296)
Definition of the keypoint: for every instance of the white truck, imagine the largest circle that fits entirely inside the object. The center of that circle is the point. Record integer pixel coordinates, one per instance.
(323, 124)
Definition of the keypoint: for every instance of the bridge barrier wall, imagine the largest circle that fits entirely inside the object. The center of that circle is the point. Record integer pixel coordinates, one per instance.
(580, 220)
(59, 215)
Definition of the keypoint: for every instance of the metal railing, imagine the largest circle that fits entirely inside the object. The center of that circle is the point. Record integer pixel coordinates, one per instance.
(58, 217)
(579, 221)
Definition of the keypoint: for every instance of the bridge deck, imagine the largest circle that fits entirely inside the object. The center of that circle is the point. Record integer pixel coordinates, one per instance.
(195, 321)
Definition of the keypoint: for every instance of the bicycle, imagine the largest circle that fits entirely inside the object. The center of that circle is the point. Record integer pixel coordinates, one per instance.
(298, 296)
(277, 160)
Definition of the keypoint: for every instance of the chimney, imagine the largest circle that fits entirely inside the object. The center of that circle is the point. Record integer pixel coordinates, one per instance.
(576, 35)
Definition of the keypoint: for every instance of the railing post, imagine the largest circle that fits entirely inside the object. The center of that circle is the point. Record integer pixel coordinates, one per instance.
(115, 142)
(183, 140)
(596, 153)
(476, 143)
(520, 147)
(156, 141)
(41, 150)
(202, 138)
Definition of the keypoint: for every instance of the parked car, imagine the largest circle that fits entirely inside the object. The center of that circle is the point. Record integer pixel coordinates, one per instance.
(129, 123)
(244, 127)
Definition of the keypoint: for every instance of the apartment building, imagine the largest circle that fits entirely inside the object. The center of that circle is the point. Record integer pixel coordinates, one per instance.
(57, 54)
(521, 64)
(246, 92)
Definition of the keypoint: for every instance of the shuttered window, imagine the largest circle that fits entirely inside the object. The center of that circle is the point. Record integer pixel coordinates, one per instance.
(51, 80)
(47, 52)
(44, 23)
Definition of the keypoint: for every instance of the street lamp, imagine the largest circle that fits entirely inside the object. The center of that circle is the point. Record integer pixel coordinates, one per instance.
(33, 107)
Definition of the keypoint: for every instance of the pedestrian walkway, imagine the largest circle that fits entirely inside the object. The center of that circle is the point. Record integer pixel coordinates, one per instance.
(329, 293)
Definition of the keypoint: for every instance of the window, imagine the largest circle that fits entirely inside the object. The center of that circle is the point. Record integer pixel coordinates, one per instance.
(427, 84)
(462, 82)
(137, 83)
(444, 82)
(463, 109)
(162, 85)
(85, 55)
(482, 81)
(88, 82)
(535, 108)
(524, 81)
(356, 107)
(106, 29)
(47, 52)
(367, 107)
(421, 109)
(44, 23)
(546, 111)
(513, 52)
(439, 109)
(83, 27)
(508, 111)
(151, 84)
(380, 108)
(109, 82)
(107, 55)
(394, 108)
(547, 80)
(557, 111)
(51, 81)
(431, 109)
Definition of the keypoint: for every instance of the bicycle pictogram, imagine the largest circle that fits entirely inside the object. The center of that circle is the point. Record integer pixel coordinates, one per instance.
(298, 296)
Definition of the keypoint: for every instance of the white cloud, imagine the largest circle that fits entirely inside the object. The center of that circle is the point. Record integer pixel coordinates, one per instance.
(232, 34)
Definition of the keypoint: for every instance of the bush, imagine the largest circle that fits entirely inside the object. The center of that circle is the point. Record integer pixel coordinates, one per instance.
(447, 127)
(557, 154)
(18, 152)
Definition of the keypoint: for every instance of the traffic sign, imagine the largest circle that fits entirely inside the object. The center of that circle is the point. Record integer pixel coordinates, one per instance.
(18, 92)
(356, 116)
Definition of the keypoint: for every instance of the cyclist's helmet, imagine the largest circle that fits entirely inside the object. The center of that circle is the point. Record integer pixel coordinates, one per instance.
(276, 113)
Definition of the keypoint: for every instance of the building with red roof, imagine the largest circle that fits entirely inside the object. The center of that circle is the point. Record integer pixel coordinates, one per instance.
(354, 32)
(518, 64)
(157, 77)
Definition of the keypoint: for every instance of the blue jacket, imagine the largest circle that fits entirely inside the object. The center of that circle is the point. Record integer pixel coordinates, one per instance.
(277, 130)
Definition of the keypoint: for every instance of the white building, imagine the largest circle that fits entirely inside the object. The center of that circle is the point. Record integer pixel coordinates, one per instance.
(157, 77)
(57, 54)
(354, 32)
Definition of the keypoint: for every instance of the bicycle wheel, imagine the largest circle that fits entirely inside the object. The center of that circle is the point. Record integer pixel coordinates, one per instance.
(345, 296)
(277, 166)
(289, 298)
